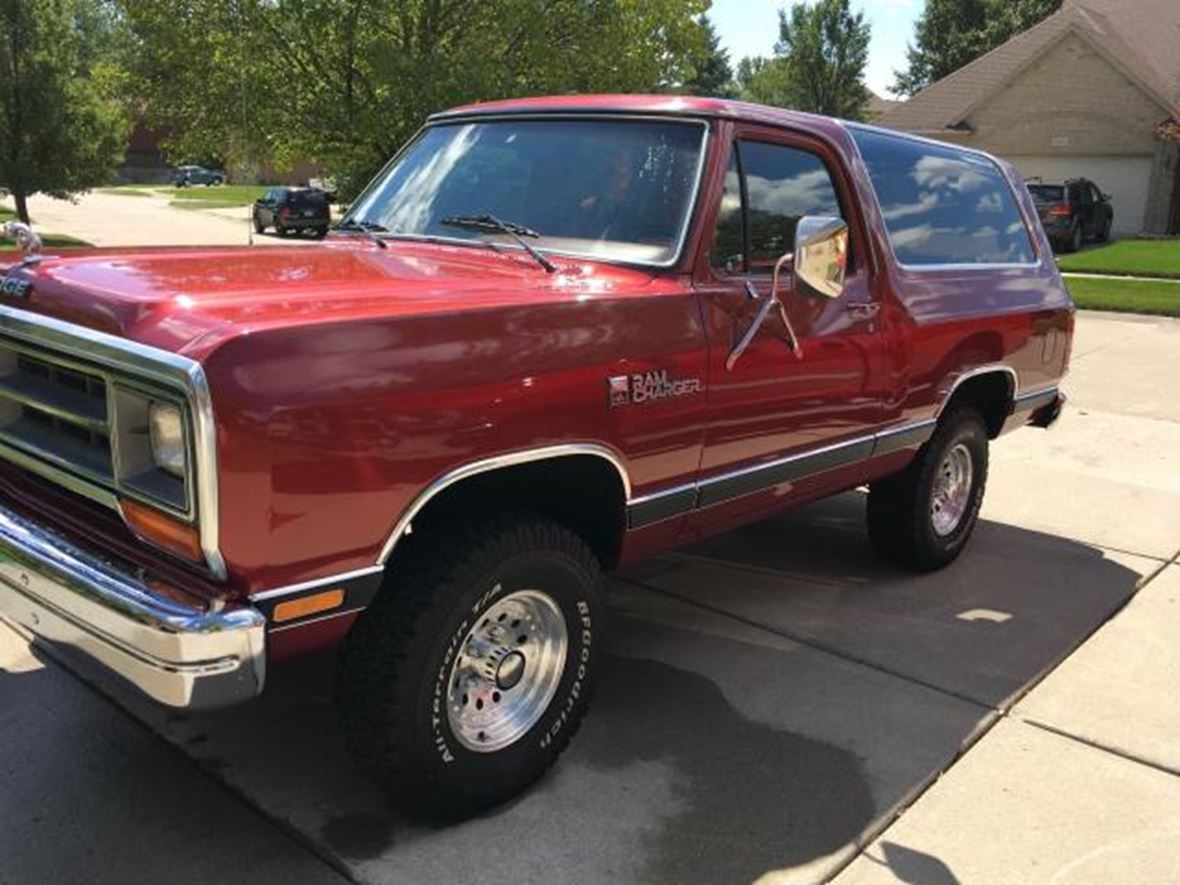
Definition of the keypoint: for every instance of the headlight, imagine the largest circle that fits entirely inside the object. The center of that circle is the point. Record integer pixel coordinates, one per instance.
(167, 437)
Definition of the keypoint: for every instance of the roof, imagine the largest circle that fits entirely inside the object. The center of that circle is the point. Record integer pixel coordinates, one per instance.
(658, 105)
(1140, 36)
(878, 105)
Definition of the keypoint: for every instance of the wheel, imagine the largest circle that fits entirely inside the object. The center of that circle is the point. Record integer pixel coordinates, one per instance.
(923, 516)
(259, 227)
(1074, 243)
(468, 676)
(1104, 234)
(319, 232)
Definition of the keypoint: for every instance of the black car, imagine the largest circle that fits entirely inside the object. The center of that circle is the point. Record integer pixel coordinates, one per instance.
(1072, 212)
(186, 176)
(289, 209)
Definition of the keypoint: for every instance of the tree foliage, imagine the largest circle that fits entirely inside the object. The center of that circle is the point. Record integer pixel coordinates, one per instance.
(63, 127)
(712, 74)
(953, 33)
(818, 65)
(345, 82)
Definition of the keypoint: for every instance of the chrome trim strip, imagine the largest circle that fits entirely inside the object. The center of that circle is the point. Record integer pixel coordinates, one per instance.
(181, 654)
(986, 369)
(343, 577)
(471, 116)
(327, 617)
(789, 459)
(143, 362)
(510, 459)
(1033, 399)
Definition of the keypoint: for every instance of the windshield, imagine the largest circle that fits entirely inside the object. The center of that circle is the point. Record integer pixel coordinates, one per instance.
(1047, 193)
(601, 188)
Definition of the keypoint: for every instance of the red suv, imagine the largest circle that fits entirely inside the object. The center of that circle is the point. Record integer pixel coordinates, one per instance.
(555, 336)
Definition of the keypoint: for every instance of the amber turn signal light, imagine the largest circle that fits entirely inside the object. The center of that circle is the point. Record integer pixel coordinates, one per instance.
(308, 605)
(162, 529)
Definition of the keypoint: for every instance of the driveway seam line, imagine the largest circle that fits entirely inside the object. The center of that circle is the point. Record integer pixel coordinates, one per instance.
(1097, 745)
(1009, 711)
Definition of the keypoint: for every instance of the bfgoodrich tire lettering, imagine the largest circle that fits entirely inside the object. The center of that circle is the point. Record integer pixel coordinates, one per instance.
(901, 521)
(398, 665)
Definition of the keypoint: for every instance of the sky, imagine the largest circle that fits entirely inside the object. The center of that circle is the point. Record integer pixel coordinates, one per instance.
(750, 27)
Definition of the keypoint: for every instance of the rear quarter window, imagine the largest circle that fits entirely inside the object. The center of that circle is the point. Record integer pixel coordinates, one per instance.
(942, 205)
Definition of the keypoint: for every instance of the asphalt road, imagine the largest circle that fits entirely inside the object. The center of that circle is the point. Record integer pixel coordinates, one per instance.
(774, 699)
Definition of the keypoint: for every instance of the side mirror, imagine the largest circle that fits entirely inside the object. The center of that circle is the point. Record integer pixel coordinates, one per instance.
(821, 254)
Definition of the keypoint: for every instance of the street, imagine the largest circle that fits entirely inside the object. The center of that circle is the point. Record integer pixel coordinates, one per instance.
(777, 706)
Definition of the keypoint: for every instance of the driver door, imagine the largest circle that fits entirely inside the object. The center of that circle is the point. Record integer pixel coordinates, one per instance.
(781, 425)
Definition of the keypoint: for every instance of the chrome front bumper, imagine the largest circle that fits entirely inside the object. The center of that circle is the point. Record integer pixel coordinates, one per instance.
(180, 654)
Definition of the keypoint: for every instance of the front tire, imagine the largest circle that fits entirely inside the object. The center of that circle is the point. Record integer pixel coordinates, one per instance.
(923, 517)
(467, 678)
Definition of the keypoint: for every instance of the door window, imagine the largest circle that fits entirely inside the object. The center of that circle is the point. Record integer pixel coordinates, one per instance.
(768, 188)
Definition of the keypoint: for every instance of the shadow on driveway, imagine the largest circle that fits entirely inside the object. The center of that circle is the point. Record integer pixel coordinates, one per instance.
(767, 697)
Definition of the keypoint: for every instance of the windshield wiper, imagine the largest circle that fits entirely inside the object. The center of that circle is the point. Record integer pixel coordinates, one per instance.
(517, 231)
(370, 229)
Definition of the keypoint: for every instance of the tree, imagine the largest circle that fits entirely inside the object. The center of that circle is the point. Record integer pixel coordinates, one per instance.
(953, 33)
(62, 127)
(345, 82)
(712, 74)
(819, 62)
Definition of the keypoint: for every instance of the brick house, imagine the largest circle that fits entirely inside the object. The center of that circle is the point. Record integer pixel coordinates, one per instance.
(1092, 91)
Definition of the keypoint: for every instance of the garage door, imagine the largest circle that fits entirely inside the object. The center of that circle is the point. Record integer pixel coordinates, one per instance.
(1125, 178)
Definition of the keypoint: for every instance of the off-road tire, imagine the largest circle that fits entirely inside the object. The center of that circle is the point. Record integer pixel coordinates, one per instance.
(395, 667)
(899, 514)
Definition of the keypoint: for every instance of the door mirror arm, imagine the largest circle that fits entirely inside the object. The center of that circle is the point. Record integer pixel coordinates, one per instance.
(820, 259)
(767, 305)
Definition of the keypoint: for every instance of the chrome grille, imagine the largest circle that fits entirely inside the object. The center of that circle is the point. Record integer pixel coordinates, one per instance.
(55, 412)
(82, 428)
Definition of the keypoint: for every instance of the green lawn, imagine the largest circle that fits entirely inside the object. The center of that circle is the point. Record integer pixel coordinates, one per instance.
(1136, 258)
(47, 239)
(216, 197)
(1126, 296)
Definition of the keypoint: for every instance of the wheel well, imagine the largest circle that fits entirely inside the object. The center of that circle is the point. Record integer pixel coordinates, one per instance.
(990, 394)
(585, 493)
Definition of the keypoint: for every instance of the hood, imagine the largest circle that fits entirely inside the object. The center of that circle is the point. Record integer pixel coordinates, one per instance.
(188, 300)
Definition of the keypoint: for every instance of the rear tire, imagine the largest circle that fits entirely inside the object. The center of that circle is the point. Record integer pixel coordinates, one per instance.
(1104, 235)
(1074, 243)
(468, 676)
(923, 517)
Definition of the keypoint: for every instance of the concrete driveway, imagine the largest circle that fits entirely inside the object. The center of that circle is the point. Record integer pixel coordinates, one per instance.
(777, 704)
(110, 219)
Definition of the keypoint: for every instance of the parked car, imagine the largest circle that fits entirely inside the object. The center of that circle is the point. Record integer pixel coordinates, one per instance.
(186, 176)
(1072, 212)
(293, 209)
(552, 338)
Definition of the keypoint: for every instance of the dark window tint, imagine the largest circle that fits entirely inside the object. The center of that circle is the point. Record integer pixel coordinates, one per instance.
(729, 249)
(782, 185)
(943, 206)
(307, 199)
(1047, 193)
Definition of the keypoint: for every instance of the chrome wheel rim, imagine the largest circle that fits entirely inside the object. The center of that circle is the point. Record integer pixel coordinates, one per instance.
(952, 490)
(507, 671)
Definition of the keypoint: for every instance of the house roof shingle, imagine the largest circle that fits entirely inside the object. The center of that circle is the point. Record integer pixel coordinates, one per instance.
(1141, 35)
